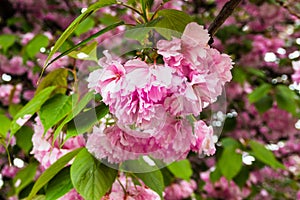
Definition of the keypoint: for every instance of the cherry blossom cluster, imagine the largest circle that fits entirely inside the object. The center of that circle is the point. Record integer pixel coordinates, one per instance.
(156, 105)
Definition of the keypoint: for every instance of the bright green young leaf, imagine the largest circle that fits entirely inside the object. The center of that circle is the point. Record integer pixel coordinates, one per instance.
(94, 7)
(34, 46)
(230, 162)
(88, 52)
(260, 152)
(24, 177)
(30, 108)
(13, 109)
(54, 110)
(6, 41)
(57, 78)
(259, 93)
(76, 108)
(49, 173)
(286, 99)
(172, 22)
(5, 125)
(181, 169)
(59, 185)
(91, 178)
(85, 41)
(85, 26)
(86, 120)
(23, 137)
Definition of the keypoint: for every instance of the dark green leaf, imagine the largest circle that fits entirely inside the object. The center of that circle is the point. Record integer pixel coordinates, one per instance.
(285, 99)
(181, 169)
(72, 27)
(239, 75)
(230, 142)
(13, 109)
(242, 177)
(260, 152)
(24, 177)
(230, 162)
(31, 107)
(34, 46)
(215, 175)
(86, 120)
(259, 92)
(59, 185)
(52, 171)
(91, 178)
(23, 137)
(264, 104)
(54, 110)
(172, 23)
(6, 41)
(58, 78)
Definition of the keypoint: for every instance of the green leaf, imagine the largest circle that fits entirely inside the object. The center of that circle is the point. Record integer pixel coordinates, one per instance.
(31, 107)
(172, 22)
(88, 52)
(264, 104)
(215, 175)
(85, 41)
(181, 169)
(5, 125)
(86, 120)
(75, 111)
(286, 99)
(85, 26)
(149, 174)
(239, 75)
(242, 177)
(34, 46)
(230, 162)
(256, 72)
(259, 92)
(23, 137)
(260, 152)
(72, 27)
(56, 77)
(13, 109)
(54, 110)
(24, 177)
(91, 178)
(59, 185)
(230, 142)
(6, 41)
(49, 173)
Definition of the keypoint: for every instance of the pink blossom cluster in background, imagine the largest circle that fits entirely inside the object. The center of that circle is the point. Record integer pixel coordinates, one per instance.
(155, 99)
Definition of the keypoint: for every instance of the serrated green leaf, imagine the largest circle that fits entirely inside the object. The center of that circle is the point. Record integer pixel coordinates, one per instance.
(259, 92)
(31, 107)
(59, 185)
(91, 178)
(77, 108)
(181, 169)
(86, 120)
(260, 152)
(85, 26)
(71, 28)
(49, 173)
(5, 125)
(230, 162)
(57, 78)
(85, 41)
(54, 110)
(6, 41)
(24, 177)
(285, 99)
(149, 174)
(173, 22)
(23, 137)
(34, 46)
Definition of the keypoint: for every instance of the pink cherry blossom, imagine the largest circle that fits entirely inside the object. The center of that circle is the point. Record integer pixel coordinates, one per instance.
(181, 190)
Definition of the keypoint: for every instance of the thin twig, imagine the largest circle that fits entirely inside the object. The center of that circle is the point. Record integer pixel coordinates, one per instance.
(288, 7)
(226, 11)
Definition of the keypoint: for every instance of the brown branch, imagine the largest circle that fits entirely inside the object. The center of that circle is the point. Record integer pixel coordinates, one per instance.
(226, 11)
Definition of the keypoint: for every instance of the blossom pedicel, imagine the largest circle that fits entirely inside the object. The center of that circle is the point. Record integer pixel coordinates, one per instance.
(153, 104)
